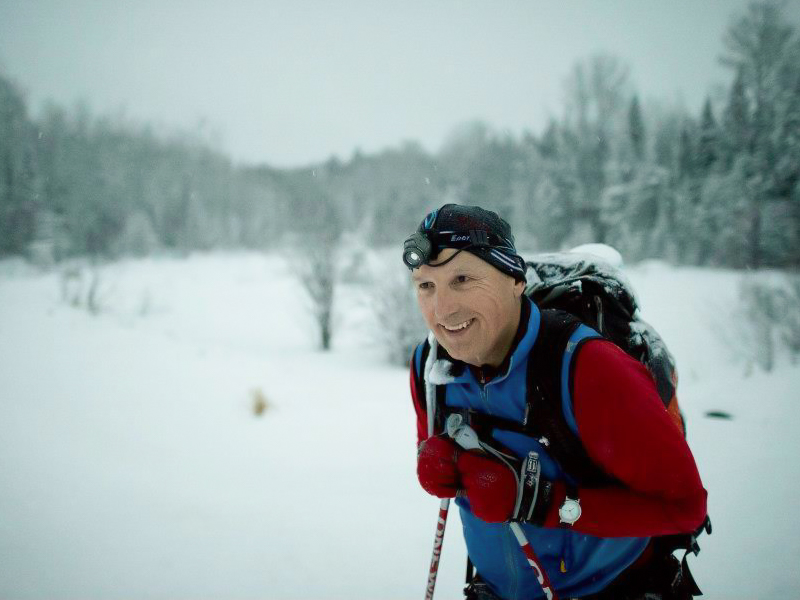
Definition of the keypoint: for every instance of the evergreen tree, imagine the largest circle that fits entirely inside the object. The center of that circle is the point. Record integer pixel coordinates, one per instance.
(492, 175)
(708, 142)
(17, 192)
(666, 142)
(548, 143)
(636, 129)
(787, 169)
(686, 155)
(757, 45)
(736, 121)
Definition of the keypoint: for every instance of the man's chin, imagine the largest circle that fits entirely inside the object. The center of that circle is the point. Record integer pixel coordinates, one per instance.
(456, 352)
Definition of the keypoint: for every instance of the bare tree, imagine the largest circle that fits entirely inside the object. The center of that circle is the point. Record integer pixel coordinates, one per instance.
(315, 262)
(316, 268)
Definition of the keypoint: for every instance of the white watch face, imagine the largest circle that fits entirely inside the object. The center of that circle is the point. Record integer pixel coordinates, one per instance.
(570, 511)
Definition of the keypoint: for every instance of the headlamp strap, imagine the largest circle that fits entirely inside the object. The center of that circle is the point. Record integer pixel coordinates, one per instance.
(473, 237)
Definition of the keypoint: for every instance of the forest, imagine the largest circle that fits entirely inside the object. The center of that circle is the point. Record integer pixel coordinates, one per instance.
(718, 188)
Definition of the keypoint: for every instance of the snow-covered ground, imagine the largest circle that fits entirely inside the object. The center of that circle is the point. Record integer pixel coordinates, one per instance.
(132, 465)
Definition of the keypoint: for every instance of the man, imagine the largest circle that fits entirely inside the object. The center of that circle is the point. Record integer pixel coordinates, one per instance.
(597, 541)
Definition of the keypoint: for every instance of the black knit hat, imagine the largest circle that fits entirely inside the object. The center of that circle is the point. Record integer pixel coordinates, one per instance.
(472, 228)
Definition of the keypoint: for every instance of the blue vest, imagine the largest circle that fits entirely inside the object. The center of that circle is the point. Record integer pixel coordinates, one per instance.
(577, 564)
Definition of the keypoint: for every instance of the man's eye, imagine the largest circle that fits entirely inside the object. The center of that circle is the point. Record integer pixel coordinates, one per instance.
(461, 279)
(425, 285)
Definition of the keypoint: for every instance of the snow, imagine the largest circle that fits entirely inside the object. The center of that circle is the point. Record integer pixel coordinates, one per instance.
(603, 251)
(597, 261)
(132, 464)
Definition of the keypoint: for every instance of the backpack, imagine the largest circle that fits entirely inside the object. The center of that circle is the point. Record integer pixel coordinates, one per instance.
(600, 296)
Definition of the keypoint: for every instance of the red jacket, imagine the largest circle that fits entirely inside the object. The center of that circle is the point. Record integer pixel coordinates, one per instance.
(627, 431)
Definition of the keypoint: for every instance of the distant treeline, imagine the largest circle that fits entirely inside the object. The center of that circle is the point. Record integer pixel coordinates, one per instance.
(718, 188)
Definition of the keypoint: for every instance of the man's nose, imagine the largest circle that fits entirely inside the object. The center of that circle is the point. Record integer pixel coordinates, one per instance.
(445, 304)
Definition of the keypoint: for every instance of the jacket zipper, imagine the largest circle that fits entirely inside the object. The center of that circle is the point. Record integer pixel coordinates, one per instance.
(484, 392)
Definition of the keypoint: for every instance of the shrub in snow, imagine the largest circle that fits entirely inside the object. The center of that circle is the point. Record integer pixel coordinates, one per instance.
(84, 287)
(71, 285)
(353, 255)
(399, 325)
(790, 317)
(757, 318)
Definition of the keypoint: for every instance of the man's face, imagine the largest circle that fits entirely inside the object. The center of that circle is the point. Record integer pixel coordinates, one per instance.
(472, 308)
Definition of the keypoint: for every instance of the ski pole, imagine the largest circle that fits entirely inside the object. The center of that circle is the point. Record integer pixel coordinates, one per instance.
(444, 507)
(533, 561)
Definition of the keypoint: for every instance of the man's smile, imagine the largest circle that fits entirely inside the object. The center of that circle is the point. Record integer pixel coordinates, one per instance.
(458, 328)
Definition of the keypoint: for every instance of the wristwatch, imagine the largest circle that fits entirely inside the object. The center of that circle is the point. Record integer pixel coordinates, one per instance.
(570, 511)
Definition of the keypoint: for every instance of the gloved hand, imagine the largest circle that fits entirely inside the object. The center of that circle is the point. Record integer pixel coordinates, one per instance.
(490, 485)
(503, 490)
(436, 466)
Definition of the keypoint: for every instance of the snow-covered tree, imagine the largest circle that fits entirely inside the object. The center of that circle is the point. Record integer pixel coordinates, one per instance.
(708, 141)
(17, 171)
(636, 129)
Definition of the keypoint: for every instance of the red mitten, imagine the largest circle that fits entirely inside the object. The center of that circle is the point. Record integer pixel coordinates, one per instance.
(490, 486)
(436, 466)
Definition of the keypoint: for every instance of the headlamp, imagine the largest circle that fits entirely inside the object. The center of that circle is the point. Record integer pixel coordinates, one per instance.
(417, 250)
(472, 228)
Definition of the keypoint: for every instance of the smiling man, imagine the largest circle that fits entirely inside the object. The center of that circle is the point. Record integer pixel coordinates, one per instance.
(601, 526)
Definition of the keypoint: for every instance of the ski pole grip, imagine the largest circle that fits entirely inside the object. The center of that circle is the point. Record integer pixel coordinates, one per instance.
(462, 434)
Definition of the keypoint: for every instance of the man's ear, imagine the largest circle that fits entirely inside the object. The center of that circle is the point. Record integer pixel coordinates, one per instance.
(519, 288)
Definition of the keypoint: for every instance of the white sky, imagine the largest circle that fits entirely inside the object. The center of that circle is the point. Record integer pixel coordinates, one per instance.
(295, 82)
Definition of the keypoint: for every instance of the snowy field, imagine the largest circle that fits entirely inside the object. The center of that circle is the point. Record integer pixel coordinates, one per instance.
(132, 465)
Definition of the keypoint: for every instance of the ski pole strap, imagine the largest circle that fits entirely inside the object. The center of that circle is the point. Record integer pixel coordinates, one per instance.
(534, 562)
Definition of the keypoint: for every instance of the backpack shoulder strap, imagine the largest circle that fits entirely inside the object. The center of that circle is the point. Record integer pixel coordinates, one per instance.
(549, 379)
(420, 358)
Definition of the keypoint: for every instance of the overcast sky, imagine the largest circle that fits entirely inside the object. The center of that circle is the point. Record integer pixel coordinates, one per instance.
(294, 82)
